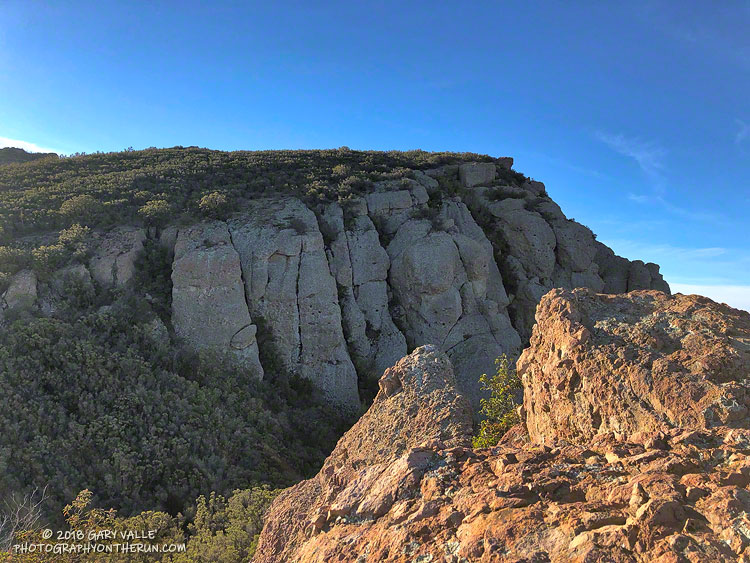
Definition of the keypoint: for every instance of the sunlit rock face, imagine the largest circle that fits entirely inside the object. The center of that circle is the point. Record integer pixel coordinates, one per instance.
(457, 257)
(634, 445)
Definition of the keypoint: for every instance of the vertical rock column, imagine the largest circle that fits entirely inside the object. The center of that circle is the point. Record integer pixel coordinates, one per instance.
(360, 266)
(209, 311)
(445, 281)
(289, 285)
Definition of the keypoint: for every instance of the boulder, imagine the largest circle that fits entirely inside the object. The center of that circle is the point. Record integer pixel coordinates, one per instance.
(639, 362)
(505, 162)
(22, 291)
(378, 464)
(209, 311)
(476, 174)
(115, 253)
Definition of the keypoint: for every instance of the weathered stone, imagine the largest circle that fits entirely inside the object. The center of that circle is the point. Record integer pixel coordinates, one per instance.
(451, 294)
(380, 461)
(638, 276)
(22, 291)
(289, 285)
(209, 311)
(666, 495)
(505, 162)
(429, 183)
(612, 269)
(113, 262)
(643, 361)
(168, 237)
(537, 188)
(360, 266)
(575, 245)
(528, 236)
(476, 173)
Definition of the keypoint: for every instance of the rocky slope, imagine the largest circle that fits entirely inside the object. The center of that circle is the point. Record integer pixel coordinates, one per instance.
(456, 256)
(634, 446)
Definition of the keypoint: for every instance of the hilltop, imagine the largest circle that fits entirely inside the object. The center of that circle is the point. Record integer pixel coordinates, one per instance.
(183, 318)
(11, 155)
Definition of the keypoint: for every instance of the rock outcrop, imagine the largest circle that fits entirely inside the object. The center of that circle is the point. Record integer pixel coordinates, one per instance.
(376, 467)
(115, 252)
(209, 311)
(539, 248)
(450, 292)
(669, 482)
(639, 362)
(289, 286)
(456, 256)
(360, 267)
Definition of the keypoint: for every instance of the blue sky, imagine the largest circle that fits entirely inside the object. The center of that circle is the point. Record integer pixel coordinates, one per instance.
(636, 115)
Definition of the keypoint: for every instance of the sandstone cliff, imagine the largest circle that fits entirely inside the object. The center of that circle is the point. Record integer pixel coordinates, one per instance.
(638, 449)
(456, 256)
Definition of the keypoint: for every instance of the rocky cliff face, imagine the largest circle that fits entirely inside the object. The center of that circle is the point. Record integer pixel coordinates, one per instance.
(634, 446)
(456, 256)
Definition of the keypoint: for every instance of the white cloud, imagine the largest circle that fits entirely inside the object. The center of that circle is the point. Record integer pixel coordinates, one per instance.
(661, 251)
(25, 145)
(742, 133)
(639, 198)
(647, 154)
(737, 296)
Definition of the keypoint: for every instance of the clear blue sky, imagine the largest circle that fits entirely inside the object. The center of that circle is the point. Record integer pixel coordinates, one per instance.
(635, 114)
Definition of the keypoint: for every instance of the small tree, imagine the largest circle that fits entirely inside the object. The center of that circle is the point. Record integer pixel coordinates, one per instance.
(214, 205)
(156, 212)
(83, 208)
(500, 408)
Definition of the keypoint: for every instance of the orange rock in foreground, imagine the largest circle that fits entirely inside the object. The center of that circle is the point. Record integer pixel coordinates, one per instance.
(666, 482)
(642, 361)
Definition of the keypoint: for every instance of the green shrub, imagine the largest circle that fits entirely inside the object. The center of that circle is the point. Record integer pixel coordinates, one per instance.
(341, 170)
(74, 235)
(505, 192)
(155, 212)
(214, 205)
(49, 258)
(500, 408)
(227, 530)
(83, 208)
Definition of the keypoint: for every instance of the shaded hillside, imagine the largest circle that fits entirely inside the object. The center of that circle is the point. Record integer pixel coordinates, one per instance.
(11, 155)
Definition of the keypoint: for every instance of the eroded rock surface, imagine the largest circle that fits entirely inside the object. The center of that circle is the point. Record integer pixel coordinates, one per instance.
(22, 291)
(289, 286)
(643, 361)
(209, 311)
(539, 248)
(676, 491)
(376, 465)
(457, 256)
(113, 262)
(360, 266)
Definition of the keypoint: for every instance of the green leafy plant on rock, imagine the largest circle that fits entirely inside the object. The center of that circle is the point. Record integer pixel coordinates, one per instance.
(500, 408)
(214, 205)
